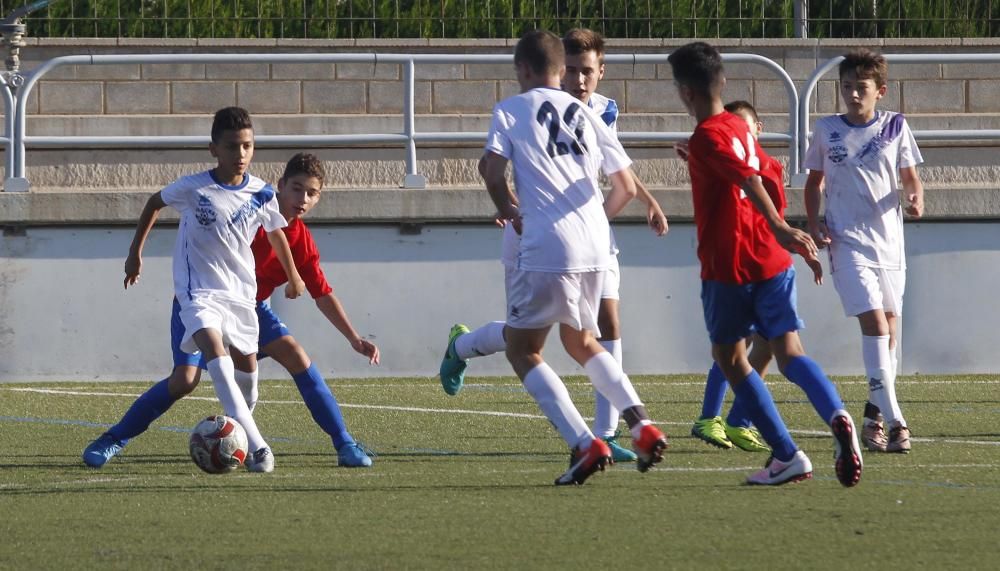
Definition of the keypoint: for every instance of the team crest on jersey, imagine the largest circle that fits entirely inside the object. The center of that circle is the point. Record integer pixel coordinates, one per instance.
(205, 213)
(837, 154)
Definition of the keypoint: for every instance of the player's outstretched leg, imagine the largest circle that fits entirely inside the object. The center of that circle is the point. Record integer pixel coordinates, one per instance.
(148, 407)
(464, 345)
(452, 371)
(326, 413)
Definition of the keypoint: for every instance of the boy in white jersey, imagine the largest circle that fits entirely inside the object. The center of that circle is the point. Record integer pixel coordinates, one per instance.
(584, 70)
(864, 156)
(214, 281)
(557, 147)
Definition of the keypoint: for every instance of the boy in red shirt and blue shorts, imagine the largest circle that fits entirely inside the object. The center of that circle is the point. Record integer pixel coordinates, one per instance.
(748, 280)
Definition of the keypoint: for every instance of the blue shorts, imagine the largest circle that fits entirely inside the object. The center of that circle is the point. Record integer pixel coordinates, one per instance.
(734, 311)
(269, 325)
(270, 329)
(181, 359)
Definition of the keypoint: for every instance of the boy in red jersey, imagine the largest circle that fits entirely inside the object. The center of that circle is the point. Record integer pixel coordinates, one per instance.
(748, 281)
(298, 191)
(737, 429)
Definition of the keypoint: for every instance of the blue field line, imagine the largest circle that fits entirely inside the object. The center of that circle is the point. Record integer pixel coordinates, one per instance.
(89, 424)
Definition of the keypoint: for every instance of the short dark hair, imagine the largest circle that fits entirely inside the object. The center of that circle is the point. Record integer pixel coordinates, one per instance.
(579, 40)
(742, 106)
(698, 66)
(542, 51)
(230, 119)
(304, 163)
(866, 64)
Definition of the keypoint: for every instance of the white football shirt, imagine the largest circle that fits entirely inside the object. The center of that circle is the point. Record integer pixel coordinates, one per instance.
(860, 164)
(212, 254)
(604, 153)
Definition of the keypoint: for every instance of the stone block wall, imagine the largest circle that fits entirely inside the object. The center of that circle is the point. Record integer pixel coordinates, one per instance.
(178, 99)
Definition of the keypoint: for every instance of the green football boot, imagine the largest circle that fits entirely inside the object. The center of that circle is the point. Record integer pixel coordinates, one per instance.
(712, 431)
(746, 438)
(452, 370)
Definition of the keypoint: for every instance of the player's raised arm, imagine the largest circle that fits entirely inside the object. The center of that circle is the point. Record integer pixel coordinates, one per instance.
(279, 243)
(133, 263)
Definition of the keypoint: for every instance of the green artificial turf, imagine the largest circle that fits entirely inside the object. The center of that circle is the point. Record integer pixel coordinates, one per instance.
(465, 482)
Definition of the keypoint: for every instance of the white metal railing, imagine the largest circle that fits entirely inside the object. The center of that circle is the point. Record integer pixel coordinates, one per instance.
(18, 140)
(925, 135)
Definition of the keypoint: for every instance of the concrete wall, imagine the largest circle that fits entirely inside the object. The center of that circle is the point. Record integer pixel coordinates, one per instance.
(64, 314)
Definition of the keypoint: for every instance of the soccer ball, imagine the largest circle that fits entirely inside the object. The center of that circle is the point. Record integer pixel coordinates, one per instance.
(218, 444)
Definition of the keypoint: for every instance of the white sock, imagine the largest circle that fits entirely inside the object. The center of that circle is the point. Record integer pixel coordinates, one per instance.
(894, 360)
(548, 390)
(608, 378)
(481, 342)
(606, 416)
(222, 372)
(881, 379)
(247, 382)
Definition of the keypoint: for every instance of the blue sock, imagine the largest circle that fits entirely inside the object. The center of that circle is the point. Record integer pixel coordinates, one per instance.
(323, 405)
(150, 406)
(821, 391)
(738, 414)
(715, 391)
(760, 406)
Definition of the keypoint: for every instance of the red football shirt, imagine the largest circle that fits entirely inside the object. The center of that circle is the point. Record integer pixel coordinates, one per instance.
(270, 274)
(735, 243)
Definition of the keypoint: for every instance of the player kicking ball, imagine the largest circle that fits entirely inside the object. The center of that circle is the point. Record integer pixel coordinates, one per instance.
(748, 280)
(299, 191)
(557, 147)
(584, 71)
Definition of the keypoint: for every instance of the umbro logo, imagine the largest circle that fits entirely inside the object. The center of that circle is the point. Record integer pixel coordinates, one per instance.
(514, 312)
(875, 384)
(835, 137)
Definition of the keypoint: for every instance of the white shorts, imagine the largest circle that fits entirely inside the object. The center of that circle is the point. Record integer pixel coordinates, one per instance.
(236, 321)
(612, 280)
(540, 299)
(864, 289)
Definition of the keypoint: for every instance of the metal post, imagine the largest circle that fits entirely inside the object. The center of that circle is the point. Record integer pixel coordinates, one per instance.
(801, 17)
(12, 30)
(413, 179)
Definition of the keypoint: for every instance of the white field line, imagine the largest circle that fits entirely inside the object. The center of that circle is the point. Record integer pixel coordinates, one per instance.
(494, 413)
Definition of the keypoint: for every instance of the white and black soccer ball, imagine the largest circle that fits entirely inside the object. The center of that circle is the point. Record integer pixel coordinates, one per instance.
(218, 444)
